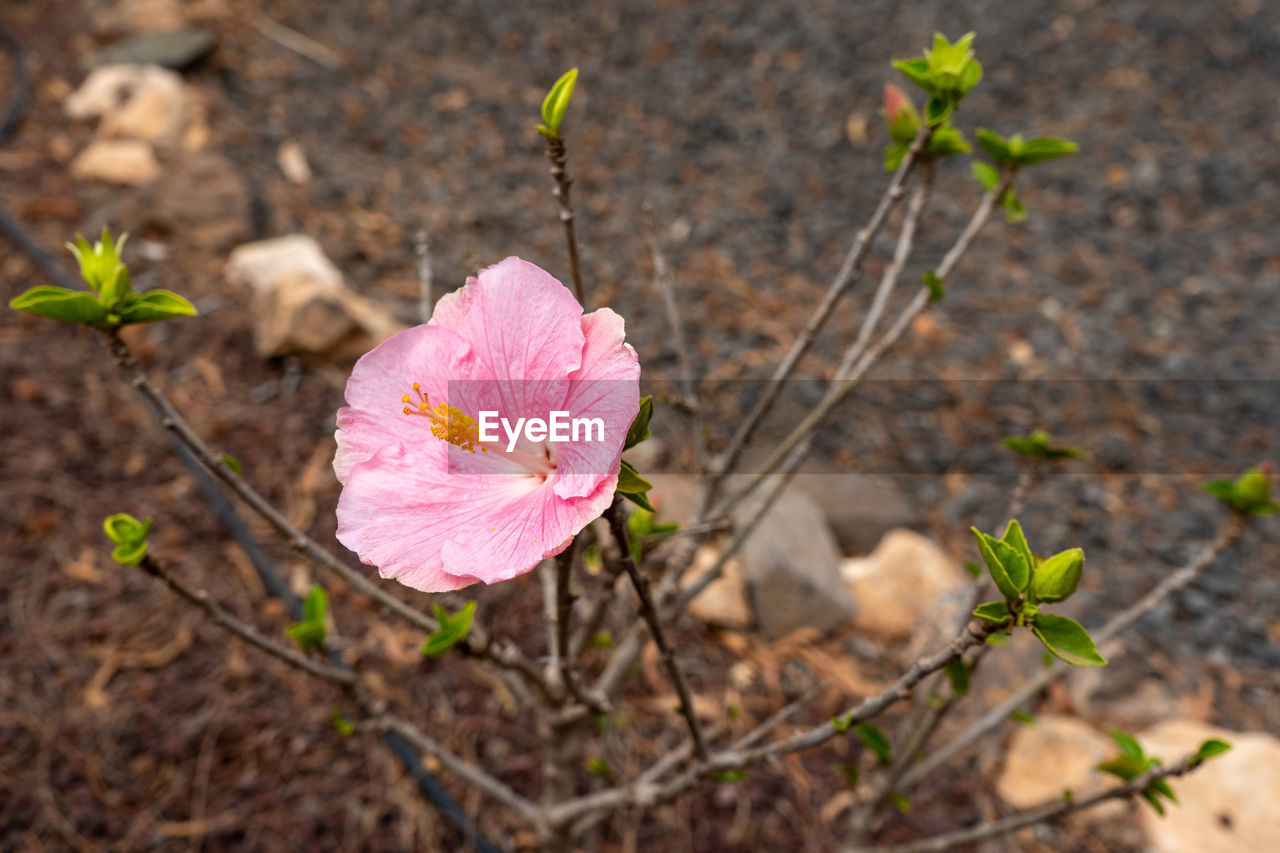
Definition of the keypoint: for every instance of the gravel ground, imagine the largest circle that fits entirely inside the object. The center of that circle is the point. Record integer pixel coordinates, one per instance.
(1152, 255)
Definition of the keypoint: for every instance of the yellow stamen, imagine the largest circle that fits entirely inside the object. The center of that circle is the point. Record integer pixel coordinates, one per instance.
(448, 423)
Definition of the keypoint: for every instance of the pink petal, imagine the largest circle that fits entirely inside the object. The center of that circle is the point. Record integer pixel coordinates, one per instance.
(606, 386)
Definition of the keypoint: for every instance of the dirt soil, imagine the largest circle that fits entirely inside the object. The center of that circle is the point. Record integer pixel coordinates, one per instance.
(751, 131)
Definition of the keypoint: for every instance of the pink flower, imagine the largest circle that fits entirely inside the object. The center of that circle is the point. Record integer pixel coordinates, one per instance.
(430, 502)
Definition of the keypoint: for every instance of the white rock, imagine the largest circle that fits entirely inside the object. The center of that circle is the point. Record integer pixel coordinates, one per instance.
(135, 101)
(1229, 805)
(292, 161)
(116, 161)
(301, 305)
(1050, 756)
(895, 585)
(723, 603)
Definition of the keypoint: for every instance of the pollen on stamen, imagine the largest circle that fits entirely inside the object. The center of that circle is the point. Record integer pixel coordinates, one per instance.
(448, 423)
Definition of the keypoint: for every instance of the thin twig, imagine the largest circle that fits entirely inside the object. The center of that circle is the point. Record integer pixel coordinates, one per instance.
(860, 358)
(649, 610)
(301, 44)
(848, 273)
(1104, 637)
(558, 156)
(234, 625)
(662, 275)
(478, 642)
(426, 277)
(1004, 826)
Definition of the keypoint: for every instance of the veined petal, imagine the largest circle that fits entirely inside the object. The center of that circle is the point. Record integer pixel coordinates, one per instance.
(606, 386)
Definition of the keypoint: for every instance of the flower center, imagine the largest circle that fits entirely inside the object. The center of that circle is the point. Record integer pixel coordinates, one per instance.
(451, 425)
(448, 423)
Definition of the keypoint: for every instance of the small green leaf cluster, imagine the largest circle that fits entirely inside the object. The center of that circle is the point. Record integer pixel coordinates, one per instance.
(904, 123)
(130, 537)
(310, 633)
(947, 71)
(1027, 582)
(112, 302)
(645, 530)
(453, 629)
(1248, 494)
(556, 103)
(1012, 154)
(1035, 445)
(631, 485)
(1133, 761)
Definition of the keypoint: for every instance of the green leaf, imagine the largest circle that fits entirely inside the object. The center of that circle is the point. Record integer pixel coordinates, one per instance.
(1027, 719)
(630, 482)
(900, 802)
(1154, 799)
(453, 630)
(1014, 210)
(556, 103)
(958, 675)
(875, 740)
(1250, 493)
(987, 548)
(315, 607)
(59, 303)
(974, 570)
(1209, 749)
(996, 146)
(842, 724)
(341, 724)
(893, 156)
(1067, 639)
(997, 639)
(598, 766)
(129, 536)
(936, 291)
(1128, 745)
(985, 174)
(1161, 786)
(1035, 445)
(601, 640)
(153, 305)
(640, 499)
(307, 634)
(639, 429)
(938, 109)
(729, 776)
(101, 267)
(232, 463)
(917, 71)
(1016, 539)
(1056, 578)
(946, 142)
(993, 611)
(1045, 148)
(1125, 767)
(969, 77)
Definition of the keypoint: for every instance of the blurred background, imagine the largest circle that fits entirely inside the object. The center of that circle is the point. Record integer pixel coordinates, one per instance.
(751, 131)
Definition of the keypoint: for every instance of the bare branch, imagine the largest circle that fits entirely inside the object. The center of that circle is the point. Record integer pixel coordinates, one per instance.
(478, 642)
(426, 277)
(649, 610)
(847, 274)
(1004, 826)
(558, 156)
(234, 625)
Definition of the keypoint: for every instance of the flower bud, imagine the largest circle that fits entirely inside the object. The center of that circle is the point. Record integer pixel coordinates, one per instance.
(1252, 489)
(899, 114)
(1057, 577)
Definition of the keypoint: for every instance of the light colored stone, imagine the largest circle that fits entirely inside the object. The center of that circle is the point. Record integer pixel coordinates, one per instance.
(135, 101)
(897, 584)
(723, 603)
(791, 567)
(861, 508)
(292, 161)
(1229, 805)
(301, 305)
(116, 161)
(1052, 755)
